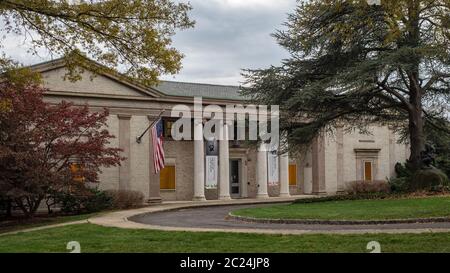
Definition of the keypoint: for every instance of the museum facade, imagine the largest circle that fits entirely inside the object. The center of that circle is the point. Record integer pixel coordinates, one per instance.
(223, 169)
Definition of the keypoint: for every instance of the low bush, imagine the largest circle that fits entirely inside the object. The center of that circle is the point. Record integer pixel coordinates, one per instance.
(403, 170)
(88, 201)
(431, 179)
(125, 199)
(426, 179)
(365, 187)
(400, 184)
(402, 181)
(348, 197)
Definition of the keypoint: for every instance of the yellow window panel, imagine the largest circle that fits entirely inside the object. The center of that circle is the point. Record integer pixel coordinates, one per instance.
(167, 178)
(368, 171)
(75, 169)
(293, 175)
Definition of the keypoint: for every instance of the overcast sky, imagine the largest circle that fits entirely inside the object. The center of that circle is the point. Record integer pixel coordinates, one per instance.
(229, 35)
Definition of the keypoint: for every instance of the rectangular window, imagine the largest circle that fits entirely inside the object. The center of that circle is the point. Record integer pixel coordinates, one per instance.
(168, 123)
(75, 170)
(167, 178)
(292, 175)
(167, 127)
(368, 171)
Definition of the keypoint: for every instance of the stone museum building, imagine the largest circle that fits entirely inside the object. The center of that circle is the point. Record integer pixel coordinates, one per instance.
(242, 171)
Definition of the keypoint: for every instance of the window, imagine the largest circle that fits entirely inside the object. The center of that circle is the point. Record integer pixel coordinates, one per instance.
(235, 141)
(292, 175)
(169, 123)
(75, 169)
(368, 171)
(167, 178)
(167, 127)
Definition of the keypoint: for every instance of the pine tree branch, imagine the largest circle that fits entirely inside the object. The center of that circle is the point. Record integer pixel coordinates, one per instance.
(397, 95)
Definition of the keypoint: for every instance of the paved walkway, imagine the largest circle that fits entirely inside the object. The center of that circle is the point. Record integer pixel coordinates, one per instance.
(210, 216)
(118, 219)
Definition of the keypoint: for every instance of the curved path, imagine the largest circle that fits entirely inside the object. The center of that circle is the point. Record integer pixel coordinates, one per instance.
(212, 217)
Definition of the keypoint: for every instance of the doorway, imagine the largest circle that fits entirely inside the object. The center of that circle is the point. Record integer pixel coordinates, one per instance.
(235, 178)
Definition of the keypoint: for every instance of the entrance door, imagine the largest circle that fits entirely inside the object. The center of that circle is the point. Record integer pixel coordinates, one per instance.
(235, 178)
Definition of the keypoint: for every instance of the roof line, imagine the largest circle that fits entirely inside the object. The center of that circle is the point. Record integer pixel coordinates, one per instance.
(196, 83)
(110, 73)
(60, 59)
(149, 90)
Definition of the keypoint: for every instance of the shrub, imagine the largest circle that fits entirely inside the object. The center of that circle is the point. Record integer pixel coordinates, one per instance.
(443, 163)
(403, 170)
(363, 187)
(431, 179)
(88, 201)
(402, 181)
(125, 199)
(346, 197)
(98, 201)
(426, 179)
(400, 184)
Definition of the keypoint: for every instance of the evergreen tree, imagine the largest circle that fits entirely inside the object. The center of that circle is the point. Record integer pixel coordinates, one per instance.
(358, 64)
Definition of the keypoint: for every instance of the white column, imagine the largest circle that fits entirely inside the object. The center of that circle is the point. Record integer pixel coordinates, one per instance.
(199, 162)
(284, 175)
(261, 171)
(224, 165)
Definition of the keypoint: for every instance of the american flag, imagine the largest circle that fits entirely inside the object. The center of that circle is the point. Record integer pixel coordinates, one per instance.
(158, 150)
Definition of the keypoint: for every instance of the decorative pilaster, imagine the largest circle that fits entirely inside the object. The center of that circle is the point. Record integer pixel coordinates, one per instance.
(392, 152)
(124, 144)
(340, 159)
(318, 166)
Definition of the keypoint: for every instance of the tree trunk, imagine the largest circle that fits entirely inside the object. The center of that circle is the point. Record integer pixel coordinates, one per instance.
(416, 122)
(31, 206)
(417, 139)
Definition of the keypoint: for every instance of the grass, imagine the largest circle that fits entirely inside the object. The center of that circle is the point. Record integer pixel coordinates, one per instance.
(20, 224)
(355, 209)
(94, 238)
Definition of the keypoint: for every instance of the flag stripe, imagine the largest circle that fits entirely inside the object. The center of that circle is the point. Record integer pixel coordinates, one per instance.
(158, 150)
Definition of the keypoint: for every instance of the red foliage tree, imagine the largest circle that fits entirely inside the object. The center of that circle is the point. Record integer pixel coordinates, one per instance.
(39, 143)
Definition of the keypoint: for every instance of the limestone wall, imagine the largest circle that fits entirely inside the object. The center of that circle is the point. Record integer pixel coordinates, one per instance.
(345, 154)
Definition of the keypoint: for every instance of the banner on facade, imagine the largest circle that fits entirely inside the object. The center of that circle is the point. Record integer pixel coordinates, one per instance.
(212, 147)
(272, 167)
(212, 170)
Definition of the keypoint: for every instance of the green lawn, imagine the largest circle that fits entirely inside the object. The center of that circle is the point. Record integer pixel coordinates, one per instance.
(101, 239)
(355, 210)
(42, 221)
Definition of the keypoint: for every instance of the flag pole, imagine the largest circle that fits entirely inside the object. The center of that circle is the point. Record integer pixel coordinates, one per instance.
(139, 138)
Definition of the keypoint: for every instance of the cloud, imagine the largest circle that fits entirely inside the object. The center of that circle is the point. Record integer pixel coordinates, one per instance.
(253, 4)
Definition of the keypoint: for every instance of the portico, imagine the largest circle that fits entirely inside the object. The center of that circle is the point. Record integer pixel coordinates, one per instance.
(239, 160)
